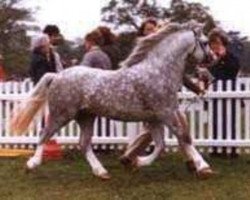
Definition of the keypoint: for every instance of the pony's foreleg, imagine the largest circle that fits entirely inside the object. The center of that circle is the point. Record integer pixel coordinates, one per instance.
(97, 168)
(86, 148)
(157, 133)
(186, 145)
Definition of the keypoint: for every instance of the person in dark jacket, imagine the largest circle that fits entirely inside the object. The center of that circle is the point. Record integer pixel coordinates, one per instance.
(225, 69)
(55, 38)
(228, 65)
(44, 57)
(42, 60)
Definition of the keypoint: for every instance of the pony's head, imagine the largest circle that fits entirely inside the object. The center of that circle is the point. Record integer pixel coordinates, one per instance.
(200, 52)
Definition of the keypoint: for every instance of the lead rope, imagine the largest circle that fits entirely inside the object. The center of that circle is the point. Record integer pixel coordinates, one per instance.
(194, 100)
(198, 98)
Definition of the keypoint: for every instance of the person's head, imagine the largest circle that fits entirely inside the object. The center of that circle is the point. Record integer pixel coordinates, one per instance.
(54, 34)
(108, 37)
(218, 42)
(93, 38)
(40, 44)
(148, 27)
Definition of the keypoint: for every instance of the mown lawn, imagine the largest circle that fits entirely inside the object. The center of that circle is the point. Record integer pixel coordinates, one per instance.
(167, 178)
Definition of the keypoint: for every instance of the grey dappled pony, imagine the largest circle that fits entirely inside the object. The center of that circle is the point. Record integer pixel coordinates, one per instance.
(143, 89)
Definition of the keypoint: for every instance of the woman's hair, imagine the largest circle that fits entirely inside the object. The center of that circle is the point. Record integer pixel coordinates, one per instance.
(38, 42)
(216, 34)
(108, 37)
(95, 37)
(142, 27)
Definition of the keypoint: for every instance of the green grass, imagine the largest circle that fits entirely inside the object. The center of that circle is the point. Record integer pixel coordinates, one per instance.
(167, 178)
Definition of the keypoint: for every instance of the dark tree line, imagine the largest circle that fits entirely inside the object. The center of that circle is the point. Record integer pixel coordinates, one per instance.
(14, 42)
(124, 15)
(129, 13)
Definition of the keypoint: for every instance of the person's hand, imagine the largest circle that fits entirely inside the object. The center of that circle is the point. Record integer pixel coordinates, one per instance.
(205, 77)
(202, 92)
(202, 88)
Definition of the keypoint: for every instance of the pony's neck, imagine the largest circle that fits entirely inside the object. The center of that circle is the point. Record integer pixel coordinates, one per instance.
(175, 49)
(167, 60)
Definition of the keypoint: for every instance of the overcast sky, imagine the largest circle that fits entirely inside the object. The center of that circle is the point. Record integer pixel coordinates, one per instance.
(76, 17)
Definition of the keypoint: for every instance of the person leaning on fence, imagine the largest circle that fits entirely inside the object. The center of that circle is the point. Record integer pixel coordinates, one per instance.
(225, 69)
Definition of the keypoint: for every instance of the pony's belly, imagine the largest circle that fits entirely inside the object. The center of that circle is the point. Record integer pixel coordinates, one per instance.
(131, 115)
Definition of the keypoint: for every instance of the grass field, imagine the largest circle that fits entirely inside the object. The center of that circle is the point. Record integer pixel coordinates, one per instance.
(167, 178)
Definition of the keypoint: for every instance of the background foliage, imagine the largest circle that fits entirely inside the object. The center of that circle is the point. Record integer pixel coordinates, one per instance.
(128, 15)
(125, 16)
(14, 42)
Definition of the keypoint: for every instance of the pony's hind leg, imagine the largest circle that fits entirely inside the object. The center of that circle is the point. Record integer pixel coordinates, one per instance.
(157, 133)
(46, 133)
(135, 147)
(36, 159)
(86, 123)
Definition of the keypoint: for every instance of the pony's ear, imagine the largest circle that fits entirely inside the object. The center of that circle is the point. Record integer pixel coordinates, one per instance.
(199, 28)
(195, 26)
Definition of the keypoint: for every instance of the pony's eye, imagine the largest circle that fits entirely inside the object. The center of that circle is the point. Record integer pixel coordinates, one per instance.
(205, 43)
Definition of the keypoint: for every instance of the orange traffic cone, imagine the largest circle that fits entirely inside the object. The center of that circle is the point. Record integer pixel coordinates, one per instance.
(52, 151)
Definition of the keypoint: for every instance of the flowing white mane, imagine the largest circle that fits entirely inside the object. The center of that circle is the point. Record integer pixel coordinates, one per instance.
(146, 44)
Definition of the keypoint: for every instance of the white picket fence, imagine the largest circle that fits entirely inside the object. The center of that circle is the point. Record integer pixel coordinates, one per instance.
(110, 134)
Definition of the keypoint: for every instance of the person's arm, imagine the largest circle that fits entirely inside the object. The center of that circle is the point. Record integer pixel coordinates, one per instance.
(205, 76)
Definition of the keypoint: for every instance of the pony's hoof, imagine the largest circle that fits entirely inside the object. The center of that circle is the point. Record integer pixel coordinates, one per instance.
(104, 176)
(128, 162)
(33, 163)
(125, 161)
(28, 170)
(205, 173)
(190, 166)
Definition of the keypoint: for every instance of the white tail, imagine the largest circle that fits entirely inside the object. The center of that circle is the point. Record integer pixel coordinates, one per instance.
(25, 113)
